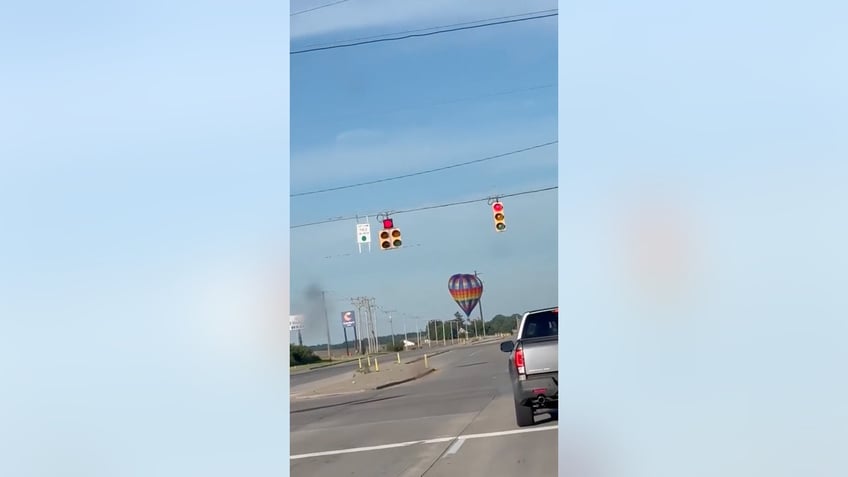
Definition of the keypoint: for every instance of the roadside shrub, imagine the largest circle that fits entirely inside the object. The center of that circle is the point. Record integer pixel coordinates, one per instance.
(301, 355)
(394, 349)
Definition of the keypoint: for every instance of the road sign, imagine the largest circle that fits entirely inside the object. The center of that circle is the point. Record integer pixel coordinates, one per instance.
(348, 319)
(295, 322)
(363, 233)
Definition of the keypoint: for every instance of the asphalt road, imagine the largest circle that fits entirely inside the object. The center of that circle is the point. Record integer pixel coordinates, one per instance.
(304, 377)
(458, 421)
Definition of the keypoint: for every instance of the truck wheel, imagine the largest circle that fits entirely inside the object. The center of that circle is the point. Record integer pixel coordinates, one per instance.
(523, 415)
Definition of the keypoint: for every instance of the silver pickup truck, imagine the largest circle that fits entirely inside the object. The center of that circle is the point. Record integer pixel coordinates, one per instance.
(533, 363)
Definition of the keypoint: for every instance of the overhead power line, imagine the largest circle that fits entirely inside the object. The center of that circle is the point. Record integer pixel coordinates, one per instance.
(428, 207)
(318, 7)
(420, 173)
(411, 34)
(404, 32)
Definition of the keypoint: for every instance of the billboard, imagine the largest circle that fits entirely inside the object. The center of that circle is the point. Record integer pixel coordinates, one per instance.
(295, 322)
(348, 318)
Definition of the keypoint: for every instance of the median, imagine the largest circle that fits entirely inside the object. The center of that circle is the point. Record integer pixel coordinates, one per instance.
(381, 373)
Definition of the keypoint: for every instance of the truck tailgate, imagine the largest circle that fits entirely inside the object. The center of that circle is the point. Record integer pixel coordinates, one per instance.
(541, 355)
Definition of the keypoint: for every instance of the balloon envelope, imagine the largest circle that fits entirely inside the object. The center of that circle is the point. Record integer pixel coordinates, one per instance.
(466, 291)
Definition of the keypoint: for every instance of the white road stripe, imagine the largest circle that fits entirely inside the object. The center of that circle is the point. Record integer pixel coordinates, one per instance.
(507, 433)
(426, 441)
(455, 447)
(373, 448)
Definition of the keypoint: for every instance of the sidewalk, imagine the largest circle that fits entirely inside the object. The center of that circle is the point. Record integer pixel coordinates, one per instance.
(390, 373)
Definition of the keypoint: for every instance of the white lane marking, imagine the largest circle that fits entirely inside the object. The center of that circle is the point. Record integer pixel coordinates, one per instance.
(455, 447)
(507, 433)
(427, 441)
(472, 354)
(372, 448)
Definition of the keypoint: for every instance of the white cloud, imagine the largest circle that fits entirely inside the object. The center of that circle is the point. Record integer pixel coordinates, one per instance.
(394, 15)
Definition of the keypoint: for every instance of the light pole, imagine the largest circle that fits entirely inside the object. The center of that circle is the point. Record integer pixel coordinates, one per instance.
(391, 324)
(405, 336)
(392, 329)
(480, 307)
(327, 319)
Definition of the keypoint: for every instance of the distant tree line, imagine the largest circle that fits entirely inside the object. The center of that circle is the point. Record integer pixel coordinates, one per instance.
(460, 327)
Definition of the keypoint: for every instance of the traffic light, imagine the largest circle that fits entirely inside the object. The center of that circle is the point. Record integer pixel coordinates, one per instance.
(390, 236)
(498, 215)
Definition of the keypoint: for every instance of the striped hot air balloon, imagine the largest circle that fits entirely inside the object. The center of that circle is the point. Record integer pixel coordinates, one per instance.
(466, 291)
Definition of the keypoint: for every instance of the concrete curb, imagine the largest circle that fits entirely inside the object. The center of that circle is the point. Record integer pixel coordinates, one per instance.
(428, 356)
(395, 383)
(301, 397)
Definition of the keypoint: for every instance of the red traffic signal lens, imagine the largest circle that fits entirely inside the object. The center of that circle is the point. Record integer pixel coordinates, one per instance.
(388, 223)
(497, 207)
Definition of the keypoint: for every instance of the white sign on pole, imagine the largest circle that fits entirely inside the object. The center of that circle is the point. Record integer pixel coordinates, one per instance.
(363, 233)
(295, 322)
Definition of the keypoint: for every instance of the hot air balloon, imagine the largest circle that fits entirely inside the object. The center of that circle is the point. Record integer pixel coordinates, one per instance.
(466, 290)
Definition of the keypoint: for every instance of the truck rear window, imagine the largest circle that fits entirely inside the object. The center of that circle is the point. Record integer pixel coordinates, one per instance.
(543, 323)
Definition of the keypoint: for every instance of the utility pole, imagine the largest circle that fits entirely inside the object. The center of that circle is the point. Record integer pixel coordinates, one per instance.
(367, 315)
(366, 334)
(480, 307)
(327, 320)
(391, 325)
(370, 322)
(375, 331)
(363, 323)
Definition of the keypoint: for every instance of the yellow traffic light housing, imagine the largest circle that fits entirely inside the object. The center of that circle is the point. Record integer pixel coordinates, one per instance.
(499, 217)
(390, 236)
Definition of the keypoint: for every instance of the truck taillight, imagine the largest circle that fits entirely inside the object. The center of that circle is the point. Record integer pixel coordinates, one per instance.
(519, 360)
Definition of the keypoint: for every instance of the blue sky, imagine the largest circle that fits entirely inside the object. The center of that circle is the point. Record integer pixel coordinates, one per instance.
(381, 110)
